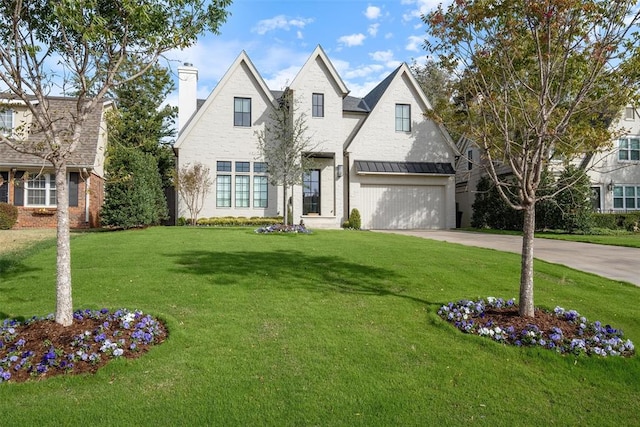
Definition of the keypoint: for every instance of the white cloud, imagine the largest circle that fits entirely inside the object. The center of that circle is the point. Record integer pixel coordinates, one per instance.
(352, 40)
(414, 43)
(373, 29)
(382, 55)
(421, 7)
(280, 22)
(363, 71)
(282, 78)
(372, 12)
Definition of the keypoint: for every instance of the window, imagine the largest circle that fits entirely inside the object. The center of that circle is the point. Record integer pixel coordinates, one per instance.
(260, 167)
(6, 121)
(317, 105)
(626, 197)
(260, 192)
(403, 118)
(311, 192)
(242, 112)
(4, 187)
(596, 197)
(223, 166)
(242, 166)
(41, 190)
(629, 113)
(629, 149)
(223, 191)
(242, 191)
(469, 159)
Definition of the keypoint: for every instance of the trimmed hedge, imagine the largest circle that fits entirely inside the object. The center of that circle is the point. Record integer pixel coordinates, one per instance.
(354, 219)
(617, 221)
(232, 221)
(8, 216)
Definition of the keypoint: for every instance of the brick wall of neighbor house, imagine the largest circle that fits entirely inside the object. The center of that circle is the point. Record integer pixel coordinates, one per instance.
(31, 217)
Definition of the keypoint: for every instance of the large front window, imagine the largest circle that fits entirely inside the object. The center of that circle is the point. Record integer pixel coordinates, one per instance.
(403, 118)
(311, 192)
(41, 190)
(260, 191)
(317, 105)
(626, 197)
(242, 112)
(223, 191)
(629, 149)
(242, 191)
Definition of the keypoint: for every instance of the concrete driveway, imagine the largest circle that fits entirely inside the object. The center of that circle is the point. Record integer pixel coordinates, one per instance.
(613, 262)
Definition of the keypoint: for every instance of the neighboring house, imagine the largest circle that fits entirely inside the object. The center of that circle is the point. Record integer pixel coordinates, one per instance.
(28, 181)
(614, 173)
(378, 154)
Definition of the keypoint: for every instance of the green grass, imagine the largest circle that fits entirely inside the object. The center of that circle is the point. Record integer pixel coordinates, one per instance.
(336, 328)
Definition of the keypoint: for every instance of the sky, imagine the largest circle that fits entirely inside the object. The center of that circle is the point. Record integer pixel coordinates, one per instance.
(365, 40)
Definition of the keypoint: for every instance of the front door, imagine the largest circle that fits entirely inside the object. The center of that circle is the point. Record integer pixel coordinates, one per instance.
(311, 192)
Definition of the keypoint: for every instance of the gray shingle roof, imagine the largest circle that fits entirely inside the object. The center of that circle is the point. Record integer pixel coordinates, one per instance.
(369, 166)
(63, 109)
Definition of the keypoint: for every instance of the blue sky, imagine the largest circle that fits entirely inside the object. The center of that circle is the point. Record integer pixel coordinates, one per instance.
(365, 40)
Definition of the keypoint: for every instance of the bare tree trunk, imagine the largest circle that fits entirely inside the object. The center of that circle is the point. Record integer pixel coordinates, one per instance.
(285, 205)
(64, 305)
(526, 271)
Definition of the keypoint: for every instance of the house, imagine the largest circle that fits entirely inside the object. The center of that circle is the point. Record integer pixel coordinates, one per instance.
(28, 181)
(378, 154)
(614, 173)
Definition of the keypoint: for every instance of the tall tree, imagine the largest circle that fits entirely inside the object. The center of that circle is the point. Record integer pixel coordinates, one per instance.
(285, 145)
(139, 137)
(537, 80)
(88, 43)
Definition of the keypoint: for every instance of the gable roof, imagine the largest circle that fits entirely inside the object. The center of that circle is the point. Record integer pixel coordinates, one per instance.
(319, 53)
(85, 155)
(243, 58)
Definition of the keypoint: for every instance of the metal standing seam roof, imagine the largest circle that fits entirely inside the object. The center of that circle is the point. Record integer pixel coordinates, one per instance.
(384, 167)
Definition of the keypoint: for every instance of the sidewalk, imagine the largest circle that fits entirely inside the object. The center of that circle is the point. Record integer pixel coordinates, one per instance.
(613, 262)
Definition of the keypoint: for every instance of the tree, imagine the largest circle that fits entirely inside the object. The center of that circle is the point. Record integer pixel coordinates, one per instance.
(138, 133)
(90, 42)
(434, 81)
(536, 80)
(134, 190)
(285, 147)
(193, 184)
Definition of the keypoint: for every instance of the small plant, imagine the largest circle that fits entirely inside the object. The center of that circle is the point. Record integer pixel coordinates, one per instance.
(8, 216)
(354, 219)
(346, 224)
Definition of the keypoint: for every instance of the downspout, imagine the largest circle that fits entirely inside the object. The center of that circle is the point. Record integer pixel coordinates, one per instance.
(347, 184)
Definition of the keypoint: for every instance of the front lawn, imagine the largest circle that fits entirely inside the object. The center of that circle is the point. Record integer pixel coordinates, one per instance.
(335, 328)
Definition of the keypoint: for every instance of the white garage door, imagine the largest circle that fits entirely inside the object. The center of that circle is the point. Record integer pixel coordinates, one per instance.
(402, 207)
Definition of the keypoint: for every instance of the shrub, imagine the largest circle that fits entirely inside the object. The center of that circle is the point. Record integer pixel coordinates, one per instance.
(354, 219)
(8, 216)
(230, 221)
(346, 224)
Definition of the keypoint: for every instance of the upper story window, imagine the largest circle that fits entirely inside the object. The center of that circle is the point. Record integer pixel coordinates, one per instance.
(629, 113)
(317, 105)
(223, 166)
(6, 121)
(403, 117)
(41, 190)
(242, 112)
(242, 167)
(629, 149)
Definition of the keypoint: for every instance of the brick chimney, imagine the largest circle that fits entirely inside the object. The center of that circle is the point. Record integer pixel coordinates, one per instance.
(187, 93)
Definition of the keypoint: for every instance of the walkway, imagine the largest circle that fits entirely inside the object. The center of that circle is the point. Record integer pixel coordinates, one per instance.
(613, 262)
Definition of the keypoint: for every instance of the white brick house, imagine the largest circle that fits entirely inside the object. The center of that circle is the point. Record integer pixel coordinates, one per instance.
(378, 154)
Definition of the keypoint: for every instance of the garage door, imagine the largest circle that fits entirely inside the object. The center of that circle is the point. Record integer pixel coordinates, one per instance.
(402, 207)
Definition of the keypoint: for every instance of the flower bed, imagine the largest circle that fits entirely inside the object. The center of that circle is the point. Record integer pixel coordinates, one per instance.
(39, 347)
(563, 331)
(281, 228)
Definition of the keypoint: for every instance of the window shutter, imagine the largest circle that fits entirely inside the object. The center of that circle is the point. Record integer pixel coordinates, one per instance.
(74, 178)
(18, 189)
(4, 188)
